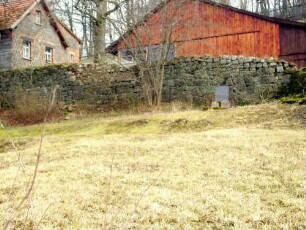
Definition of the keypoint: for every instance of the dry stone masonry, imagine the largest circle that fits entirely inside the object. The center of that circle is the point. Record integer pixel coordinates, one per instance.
(186, 79)
(92, 84)
(251, 80)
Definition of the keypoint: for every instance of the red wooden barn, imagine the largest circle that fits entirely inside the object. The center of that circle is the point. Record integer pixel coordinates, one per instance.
(202, 27)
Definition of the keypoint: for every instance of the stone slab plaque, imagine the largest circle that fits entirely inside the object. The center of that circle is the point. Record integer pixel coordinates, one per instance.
(222, 93)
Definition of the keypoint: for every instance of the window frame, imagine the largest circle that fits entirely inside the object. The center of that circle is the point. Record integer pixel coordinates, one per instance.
(27, 49)
(72, 58)
(38, 16)
(49, 55)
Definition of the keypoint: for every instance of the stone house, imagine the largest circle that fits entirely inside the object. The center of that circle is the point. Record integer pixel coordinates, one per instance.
(31, 36)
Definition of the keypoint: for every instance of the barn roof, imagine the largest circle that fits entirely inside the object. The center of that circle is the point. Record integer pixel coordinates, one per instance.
(12, 13)
(260, 16)
(112, 46)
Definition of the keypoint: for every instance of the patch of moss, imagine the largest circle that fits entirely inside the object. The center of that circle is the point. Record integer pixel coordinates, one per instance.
(294, 99)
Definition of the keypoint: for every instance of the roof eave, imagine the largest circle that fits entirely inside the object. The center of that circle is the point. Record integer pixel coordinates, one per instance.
(111, 47)
(15, 24)
(268, 18)
(68, 30)
(53, 22)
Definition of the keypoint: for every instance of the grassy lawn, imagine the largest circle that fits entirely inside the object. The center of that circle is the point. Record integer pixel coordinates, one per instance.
(241, 168)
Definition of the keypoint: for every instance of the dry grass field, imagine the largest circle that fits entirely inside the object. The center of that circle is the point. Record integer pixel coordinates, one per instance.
(241, 168)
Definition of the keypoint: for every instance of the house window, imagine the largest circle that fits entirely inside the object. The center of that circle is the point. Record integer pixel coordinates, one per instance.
(38, 17)
(72, 58)
(155, 52)
(49, 55)
(5, 34)
(26, 50)
(127, 54)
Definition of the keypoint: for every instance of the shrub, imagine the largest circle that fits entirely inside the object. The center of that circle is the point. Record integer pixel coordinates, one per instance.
(295, 92)
(32, 107)
(298, 81)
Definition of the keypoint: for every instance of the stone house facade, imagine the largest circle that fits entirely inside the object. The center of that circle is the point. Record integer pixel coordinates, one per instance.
(31, 36)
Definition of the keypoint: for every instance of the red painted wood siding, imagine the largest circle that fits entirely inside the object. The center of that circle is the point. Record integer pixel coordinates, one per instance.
(293, 45)
(201, 28)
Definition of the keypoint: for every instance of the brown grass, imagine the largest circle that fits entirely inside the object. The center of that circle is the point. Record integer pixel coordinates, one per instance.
(241, 168)
(30, 107)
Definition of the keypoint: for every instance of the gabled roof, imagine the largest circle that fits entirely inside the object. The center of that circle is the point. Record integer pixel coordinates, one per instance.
(55, 23)
(111, 48)
(67, 29)
(14, 11)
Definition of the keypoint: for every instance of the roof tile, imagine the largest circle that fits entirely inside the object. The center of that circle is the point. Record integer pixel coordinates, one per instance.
(12, 10)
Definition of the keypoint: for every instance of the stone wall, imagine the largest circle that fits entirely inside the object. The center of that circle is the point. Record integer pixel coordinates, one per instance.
(92, 84)
(194, 80)
(251, 80)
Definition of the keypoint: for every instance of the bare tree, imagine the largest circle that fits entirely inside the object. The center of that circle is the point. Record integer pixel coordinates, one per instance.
(288, 9)
(227, 2)
(65, 11)
(140, 47)
(98, 11)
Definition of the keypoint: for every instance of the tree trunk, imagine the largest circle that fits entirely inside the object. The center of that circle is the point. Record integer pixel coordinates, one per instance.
(85, 49)
(99, 31)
